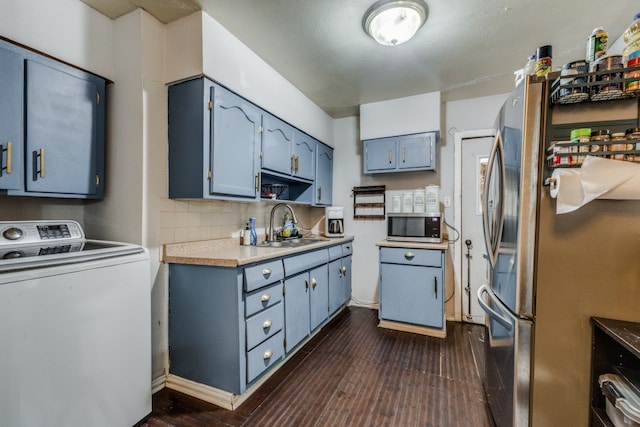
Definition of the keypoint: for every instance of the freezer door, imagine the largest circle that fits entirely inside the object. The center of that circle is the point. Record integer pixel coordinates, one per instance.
(507, 362)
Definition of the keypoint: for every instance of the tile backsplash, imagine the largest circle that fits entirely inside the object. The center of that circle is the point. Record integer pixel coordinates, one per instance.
(191, 220)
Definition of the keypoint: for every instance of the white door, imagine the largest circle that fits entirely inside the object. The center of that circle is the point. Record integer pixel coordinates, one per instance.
(475, 154)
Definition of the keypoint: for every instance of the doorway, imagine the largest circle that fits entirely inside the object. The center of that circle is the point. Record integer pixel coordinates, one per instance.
(472, 268)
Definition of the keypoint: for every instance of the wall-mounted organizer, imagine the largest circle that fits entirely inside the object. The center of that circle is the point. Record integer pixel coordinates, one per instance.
(369, 202)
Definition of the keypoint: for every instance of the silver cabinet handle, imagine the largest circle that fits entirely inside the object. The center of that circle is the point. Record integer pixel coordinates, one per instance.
(314, 282)
(266, 324)
(267, 354)
(344, 270)
(390, 158)
(265, 298)
(409, 255)
(266, 272)
(403, 154)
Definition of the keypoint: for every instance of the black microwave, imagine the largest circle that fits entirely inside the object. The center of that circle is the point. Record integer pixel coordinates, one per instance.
(414, 227)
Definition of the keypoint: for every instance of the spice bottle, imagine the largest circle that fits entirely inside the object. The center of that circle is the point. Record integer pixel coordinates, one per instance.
(543, 61)
(597, 45)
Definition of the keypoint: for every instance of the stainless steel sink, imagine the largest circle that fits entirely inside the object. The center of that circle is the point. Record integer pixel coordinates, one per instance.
(291, 243)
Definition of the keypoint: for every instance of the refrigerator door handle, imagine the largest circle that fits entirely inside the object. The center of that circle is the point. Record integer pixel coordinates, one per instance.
(492, 313)
(491, 251)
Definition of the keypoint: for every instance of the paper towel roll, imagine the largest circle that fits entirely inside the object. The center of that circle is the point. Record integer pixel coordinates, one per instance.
(597, 178)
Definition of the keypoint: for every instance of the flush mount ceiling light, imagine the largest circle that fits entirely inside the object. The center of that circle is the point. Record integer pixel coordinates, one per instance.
(393, 22)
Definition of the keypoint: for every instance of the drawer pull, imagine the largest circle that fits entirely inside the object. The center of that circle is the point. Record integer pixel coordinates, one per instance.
(267, 355)
(409, 255)
(266, 272)
(266, 324)
(265, 298)
(313, 283)
(343, 270)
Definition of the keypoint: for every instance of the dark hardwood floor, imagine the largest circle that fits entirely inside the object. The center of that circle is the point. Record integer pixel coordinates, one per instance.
(356, 374)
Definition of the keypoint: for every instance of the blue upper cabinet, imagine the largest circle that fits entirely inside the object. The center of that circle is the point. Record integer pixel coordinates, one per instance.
(304, 159)
(214, 138)
(323, 194)
(380, 155)
(236, 132)
(400, 154)
(286, 150)
(11, 123)
(277, 145)
(61, 111)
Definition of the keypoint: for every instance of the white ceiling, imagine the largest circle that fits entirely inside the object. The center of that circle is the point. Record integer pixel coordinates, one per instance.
(467, 48)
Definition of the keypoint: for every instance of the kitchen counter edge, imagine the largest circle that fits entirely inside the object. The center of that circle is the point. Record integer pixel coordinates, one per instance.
(228, 253)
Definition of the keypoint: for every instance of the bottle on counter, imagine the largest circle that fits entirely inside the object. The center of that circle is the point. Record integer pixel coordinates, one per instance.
(252, 231)
(247, 235)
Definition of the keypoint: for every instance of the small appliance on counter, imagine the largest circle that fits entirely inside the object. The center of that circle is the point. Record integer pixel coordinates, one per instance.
(423, 227)
(333, 221)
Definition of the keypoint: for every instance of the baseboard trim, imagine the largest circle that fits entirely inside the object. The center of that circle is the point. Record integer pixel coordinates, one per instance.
(406, 327)
(158, 383)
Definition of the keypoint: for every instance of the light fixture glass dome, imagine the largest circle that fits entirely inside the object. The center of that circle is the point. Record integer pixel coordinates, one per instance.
(393, 22)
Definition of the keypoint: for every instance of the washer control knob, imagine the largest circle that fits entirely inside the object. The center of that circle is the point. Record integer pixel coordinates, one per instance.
(12, 233)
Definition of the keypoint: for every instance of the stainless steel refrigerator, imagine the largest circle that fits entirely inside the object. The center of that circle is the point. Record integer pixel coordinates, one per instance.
(550, 273)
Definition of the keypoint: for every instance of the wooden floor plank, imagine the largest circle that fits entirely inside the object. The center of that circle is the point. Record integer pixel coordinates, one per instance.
(356, 374)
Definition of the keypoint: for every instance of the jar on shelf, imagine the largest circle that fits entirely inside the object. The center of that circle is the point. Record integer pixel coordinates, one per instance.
(631, 37)
(560, 148)
(601, 135)
(618, 145)
(579, 136)
(634, 134)
(633, 85)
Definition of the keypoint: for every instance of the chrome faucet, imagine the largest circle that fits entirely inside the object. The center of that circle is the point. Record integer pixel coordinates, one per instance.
(271, 237)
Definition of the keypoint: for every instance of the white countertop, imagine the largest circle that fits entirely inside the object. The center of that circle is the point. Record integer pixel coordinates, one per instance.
(228, 252)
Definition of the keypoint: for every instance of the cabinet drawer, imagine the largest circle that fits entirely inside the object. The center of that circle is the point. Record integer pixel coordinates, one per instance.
(264, 324)
(298, 263)
(427, 257)
(335, 252)
(265, 355)
(347, 249)
(262, 298)
(262, 274)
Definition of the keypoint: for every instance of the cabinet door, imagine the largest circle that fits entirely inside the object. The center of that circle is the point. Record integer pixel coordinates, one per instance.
(335, 285)
(62, 129)
(319, 295)
(277, 141)
(304, 150)
(411, 294)
(379, 154)
(414, 151)
(11, 124)
(346, 279)
(323, 194)
(234, 145)
(296, 309)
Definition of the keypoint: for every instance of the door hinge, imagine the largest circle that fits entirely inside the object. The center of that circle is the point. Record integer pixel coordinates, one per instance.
(209, 174)
(261, 129)
(261, 154)
(209, 105)
(97, 97)
(97, 180)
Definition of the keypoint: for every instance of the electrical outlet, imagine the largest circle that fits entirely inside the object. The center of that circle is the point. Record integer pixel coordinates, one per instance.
(447, 202)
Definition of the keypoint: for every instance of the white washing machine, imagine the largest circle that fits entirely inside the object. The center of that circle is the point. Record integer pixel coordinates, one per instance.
(75, 328)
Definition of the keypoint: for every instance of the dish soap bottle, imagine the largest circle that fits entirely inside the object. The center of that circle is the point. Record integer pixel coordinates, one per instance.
(287, 226)
(252, 231)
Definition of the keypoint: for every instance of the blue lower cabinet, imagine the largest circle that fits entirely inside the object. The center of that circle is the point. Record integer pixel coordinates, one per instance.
(230, 325)
(412, 286)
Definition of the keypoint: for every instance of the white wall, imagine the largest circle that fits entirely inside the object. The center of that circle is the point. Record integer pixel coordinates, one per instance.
(229, 62)
(66, 29)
